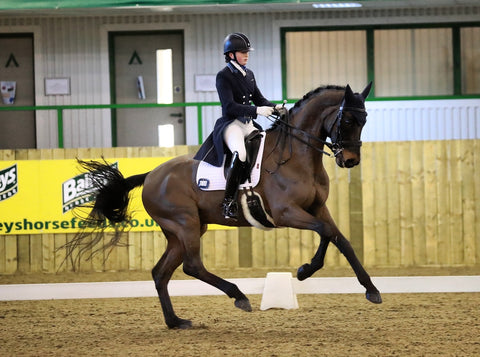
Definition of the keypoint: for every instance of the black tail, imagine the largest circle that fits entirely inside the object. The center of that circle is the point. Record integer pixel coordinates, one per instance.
(110, 191)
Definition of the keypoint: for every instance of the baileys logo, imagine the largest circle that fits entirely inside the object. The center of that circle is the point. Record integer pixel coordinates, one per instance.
(79, 190)
(8, 182)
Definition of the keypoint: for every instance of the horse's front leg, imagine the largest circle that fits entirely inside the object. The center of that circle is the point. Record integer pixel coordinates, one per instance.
(296, 217)
(334, 235)
(307, 270)
(346, 249)
(324, 225)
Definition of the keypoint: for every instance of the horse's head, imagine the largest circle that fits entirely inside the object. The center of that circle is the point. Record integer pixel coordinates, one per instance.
(346, 128)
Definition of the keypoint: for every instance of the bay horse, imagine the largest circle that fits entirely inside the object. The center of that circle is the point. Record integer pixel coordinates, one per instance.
(294, 186)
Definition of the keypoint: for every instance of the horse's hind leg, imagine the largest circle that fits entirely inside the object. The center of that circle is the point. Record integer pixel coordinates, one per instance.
(161, 273)
(193, 266)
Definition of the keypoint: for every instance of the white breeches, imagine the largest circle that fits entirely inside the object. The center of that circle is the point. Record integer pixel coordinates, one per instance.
(234, 136)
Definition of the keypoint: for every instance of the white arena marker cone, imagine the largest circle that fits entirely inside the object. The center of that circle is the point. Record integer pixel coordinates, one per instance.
(278, 292)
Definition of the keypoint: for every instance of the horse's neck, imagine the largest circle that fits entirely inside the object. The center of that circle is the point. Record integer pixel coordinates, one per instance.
(311, 119)
(311, 116)
(286, 144)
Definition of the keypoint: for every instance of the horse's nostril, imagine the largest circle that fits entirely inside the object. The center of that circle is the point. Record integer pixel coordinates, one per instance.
(351, 163)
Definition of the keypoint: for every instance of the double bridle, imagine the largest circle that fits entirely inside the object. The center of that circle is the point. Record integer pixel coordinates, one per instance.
(337, 144)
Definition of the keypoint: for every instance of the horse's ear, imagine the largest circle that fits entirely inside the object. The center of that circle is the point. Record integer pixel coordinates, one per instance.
(366, 91)
(349, 96)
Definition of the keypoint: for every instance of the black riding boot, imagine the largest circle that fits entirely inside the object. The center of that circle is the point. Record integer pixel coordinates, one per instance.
(235, 171)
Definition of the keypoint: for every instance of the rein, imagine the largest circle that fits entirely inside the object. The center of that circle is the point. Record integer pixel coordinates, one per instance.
(279, 118)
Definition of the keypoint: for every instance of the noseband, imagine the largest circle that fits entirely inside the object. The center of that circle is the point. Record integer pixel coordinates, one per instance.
(337, 145)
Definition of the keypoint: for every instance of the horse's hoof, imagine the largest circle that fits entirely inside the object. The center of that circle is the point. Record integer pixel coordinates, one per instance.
(374, 297)
(181, 324)
(304, 272)
(243, 304)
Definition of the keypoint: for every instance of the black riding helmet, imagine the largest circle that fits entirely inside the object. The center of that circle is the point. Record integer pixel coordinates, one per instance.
(236, 42)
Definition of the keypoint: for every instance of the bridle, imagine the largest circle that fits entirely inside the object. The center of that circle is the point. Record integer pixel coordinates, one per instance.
(337, 145)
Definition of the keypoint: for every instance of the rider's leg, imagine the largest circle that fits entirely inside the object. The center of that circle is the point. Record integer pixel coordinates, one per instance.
(234, 173)
(234, 136)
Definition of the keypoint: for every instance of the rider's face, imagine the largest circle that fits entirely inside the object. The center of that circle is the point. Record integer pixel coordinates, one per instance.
(242, 58)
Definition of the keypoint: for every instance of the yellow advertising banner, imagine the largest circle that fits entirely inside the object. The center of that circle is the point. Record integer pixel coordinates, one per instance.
(38, 196)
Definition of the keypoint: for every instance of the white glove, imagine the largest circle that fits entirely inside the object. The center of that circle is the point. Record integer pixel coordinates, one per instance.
(265, 111)
(279, 106)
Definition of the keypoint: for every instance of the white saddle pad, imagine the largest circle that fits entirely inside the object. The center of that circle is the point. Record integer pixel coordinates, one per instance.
(211, 178)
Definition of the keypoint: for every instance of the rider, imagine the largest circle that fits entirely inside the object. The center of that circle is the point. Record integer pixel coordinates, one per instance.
(237, 91)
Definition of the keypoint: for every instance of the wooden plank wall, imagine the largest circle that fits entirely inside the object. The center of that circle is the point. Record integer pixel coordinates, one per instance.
(421, 203)
(410, 203)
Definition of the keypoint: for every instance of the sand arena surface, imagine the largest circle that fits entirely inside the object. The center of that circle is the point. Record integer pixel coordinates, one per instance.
(324, 325)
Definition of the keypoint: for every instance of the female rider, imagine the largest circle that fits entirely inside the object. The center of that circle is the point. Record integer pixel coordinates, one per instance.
(237, 90)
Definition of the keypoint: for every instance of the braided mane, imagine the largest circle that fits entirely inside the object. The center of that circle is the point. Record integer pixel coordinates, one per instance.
(314, 92)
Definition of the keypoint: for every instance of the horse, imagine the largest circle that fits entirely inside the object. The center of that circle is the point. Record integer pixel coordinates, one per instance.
(294, 186)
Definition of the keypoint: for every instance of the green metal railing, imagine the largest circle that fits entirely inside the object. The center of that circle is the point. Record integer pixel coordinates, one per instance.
(61, 108)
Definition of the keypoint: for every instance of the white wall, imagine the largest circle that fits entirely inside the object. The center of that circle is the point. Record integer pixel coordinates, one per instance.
(77, 47)
(422, 120)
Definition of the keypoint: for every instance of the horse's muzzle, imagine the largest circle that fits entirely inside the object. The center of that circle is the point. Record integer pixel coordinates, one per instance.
(347, 162)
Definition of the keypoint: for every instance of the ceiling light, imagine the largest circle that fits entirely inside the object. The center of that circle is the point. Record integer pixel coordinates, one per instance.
(161, 8)
(336, 5)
